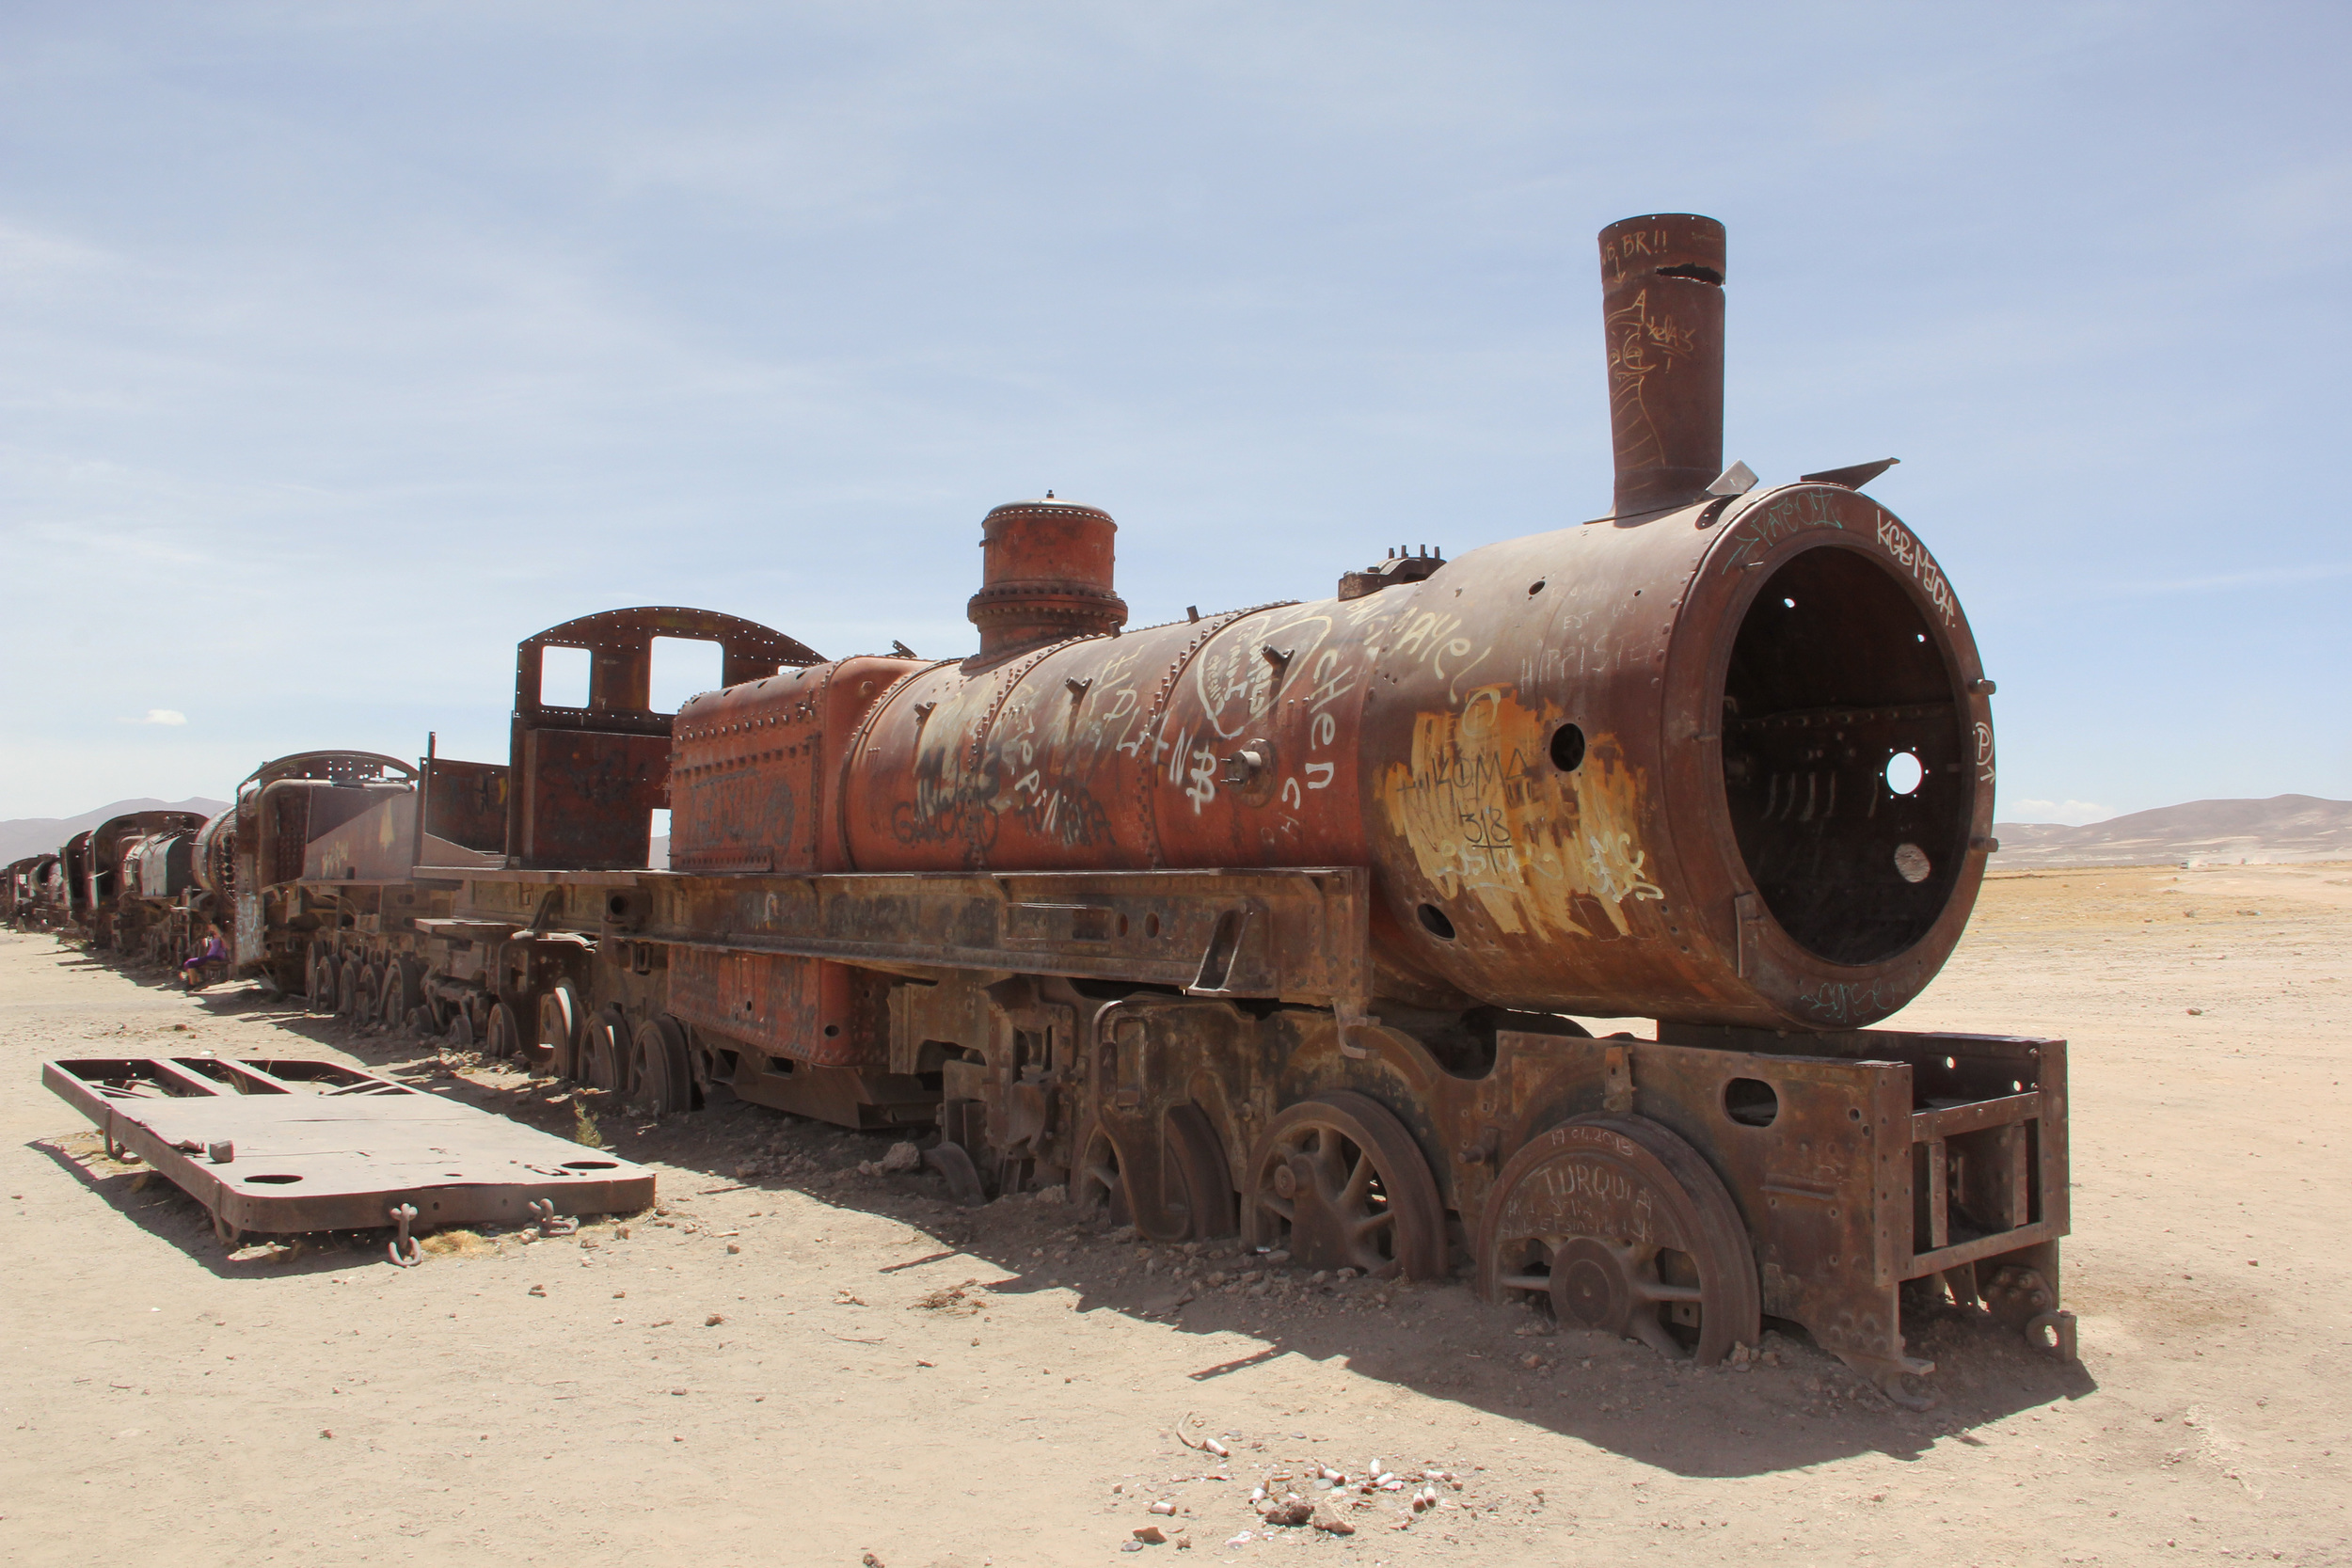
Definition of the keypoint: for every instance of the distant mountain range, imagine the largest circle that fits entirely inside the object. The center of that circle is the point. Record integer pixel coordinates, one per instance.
(2283, 828)
(40, 836)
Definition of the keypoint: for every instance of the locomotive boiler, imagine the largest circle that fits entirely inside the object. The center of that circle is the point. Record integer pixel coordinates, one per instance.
(1300, 920)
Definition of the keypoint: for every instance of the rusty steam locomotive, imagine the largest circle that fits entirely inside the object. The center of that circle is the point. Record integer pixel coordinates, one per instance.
(1278, 920)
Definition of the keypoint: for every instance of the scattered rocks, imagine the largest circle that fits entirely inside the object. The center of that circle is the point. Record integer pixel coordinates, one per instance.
(1151, 1535)
(903, 1158)
(1290, 1511)
(1325, 1519)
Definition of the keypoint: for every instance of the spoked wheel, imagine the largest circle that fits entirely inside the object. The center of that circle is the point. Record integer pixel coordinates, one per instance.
(1201, 1184)
(1338, 1182)
(505, 1037)
(402, 995)
(1190, 1200)
(659, 1073)
(563, 1023)
(605, 1051)
(460, 1031)
(347, 988)
(325, 983)
(1097, 1180)
(1623, 1227)
(368, 995)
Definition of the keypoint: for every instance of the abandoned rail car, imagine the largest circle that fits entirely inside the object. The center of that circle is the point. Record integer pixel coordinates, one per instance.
(29, 889)
(1278, 920)
(123, 876)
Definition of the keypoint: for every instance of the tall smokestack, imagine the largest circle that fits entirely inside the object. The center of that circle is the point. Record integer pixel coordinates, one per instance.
(1662, 309)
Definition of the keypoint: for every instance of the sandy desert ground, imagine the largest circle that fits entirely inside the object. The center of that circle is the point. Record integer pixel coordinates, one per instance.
(795, 1363)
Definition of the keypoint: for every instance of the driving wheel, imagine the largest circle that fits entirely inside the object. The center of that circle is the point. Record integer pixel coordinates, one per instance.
(1620, 1226)
(1201, 1186)
(605, 1051)
(403, 993)
(1096, 1179)
(1338, 1182)
(323, 984)
(562, 1019)
(505, 1038)
(659, 1074)
(367, 994)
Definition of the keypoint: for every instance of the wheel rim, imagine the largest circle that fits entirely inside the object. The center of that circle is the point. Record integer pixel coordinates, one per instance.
(325, 985)
(659, 1069)
(1203, 1188)
(608, 1061)
(561, 1015)
(1095, 1180)
(1340, 1182)
(1621, 1226)
(506, 1040)
(396, 1004)
(367, 996)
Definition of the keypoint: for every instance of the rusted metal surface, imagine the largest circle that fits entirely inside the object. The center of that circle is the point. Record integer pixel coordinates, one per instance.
(1612, 769)
(755, 767)
(587, 780)
(804, 1010)
(1045, 574)
(29, 893)
(1662, 310)
(1277, 918)
(109, 904)
(278, 1146)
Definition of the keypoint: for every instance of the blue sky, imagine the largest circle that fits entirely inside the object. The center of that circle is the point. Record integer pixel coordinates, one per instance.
(342, 346)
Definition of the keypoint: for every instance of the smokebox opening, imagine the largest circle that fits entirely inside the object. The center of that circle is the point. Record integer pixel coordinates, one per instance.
(1835, 674)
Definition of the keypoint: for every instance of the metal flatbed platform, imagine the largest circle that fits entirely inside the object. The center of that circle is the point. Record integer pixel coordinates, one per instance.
(279, 1146)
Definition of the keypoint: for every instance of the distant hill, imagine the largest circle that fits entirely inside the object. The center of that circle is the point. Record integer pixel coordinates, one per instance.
(2283, 828)
(40, 836)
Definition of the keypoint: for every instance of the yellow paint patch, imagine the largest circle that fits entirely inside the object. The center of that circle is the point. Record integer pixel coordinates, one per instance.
(1490, 819)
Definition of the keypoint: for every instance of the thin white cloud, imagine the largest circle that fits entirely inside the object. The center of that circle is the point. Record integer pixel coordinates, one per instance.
(158, 716)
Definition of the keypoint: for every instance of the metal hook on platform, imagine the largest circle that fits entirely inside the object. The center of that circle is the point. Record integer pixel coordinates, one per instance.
(406, 1252)
(543, 1210)
(2052, 1334)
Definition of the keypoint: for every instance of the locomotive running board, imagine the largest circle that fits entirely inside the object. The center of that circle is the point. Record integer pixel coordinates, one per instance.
(292, 1146)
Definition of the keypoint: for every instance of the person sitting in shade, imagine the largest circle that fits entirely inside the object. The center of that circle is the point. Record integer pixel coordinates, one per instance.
(215, 951)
